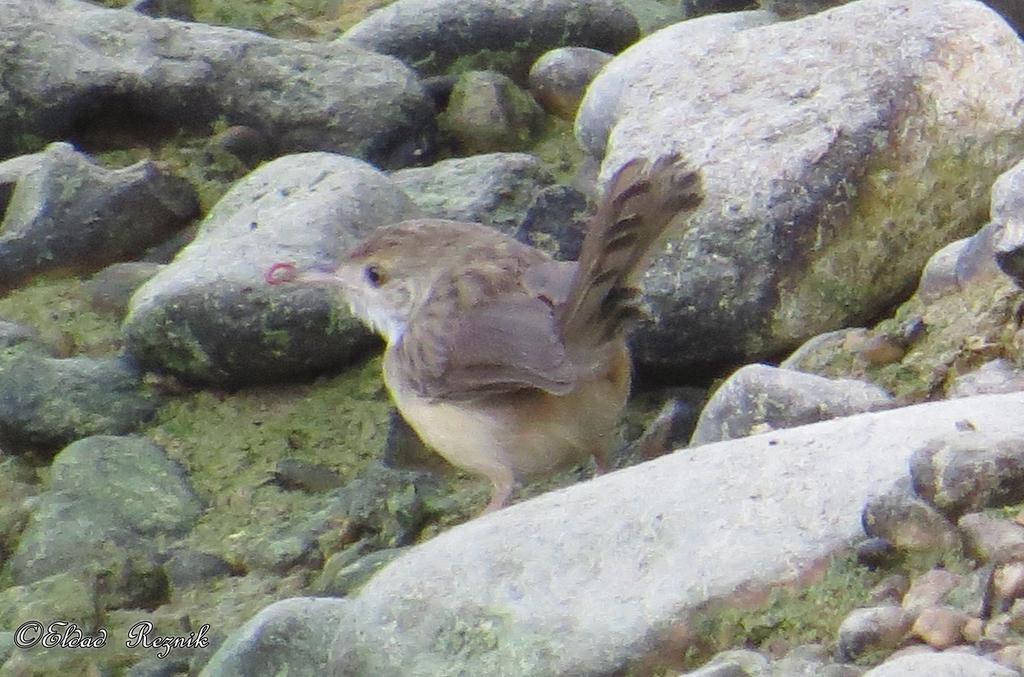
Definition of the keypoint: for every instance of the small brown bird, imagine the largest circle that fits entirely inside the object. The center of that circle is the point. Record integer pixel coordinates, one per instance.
(506, 362)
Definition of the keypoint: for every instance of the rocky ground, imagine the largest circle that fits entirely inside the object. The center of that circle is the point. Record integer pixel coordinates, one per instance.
(821, 469)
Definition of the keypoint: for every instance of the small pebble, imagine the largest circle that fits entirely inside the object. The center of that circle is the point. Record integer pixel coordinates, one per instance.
(309, 477)
(940, 627)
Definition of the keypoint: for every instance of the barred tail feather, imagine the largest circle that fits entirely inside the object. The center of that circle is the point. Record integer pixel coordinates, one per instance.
(641, 202)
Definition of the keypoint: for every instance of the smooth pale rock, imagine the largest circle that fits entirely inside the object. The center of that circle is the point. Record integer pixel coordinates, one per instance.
(838, 152)
(70, 65)
(946, 664)
(495, 189)
(430, 35)
(67, 212)
(536, 585)
(759, 398)
(622, 78)
(977, 260)
(211, 316)
(938, 278)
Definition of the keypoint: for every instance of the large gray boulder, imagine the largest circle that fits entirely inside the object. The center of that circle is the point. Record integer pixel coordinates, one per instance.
(70, 66)
(677, 46)
(430, 35)
(594, 578)
(210, 315)
(59, 210)
(838, 152)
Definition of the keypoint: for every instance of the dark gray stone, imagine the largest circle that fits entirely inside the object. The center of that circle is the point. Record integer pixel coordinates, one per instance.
(792, 9)
(969, 471)
(75, 68)
(211, 316)
(670, 429)
(66, 212)
(875, 553)
(494, 189)
(47, 402)
(431, 35)
(694, 8)
(556, 221)
(297, 475)
(169, 9)
(171, 666)
(186, 568)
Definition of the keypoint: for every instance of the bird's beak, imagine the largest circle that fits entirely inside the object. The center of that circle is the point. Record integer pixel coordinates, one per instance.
(321, 276)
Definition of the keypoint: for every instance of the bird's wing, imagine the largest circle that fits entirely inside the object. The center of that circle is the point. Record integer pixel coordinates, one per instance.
(500, 344)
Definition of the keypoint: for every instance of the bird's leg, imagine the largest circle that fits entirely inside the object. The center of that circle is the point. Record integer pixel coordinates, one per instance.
(503, 482)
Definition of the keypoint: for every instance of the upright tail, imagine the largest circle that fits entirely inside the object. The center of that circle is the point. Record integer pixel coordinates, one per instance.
(641, 201)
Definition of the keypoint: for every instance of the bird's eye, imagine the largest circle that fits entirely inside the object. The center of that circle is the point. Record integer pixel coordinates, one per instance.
(374, 275)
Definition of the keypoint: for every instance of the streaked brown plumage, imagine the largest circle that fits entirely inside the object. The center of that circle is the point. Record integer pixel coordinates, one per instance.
(508, 363)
